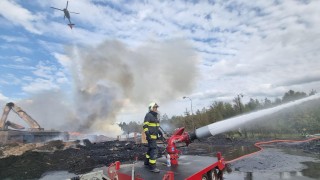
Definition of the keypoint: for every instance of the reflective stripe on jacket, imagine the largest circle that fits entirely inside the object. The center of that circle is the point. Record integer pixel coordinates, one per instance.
(151, 124)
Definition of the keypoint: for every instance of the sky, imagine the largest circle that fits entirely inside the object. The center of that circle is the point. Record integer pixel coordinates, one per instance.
(122, 55)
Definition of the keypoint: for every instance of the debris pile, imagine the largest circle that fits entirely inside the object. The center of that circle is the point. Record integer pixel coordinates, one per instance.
(17, 149)
(77, 158)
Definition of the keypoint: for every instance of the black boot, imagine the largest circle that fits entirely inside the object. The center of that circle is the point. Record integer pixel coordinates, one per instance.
(146, 162)
(154, 169)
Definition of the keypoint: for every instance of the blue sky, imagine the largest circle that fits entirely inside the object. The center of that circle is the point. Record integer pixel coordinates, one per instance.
(121, 55)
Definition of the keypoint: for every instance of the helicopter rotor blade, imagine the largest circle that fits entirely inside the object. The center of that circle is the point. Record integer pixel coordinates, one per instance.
(56, 8)
(67, 5)
(74, 12)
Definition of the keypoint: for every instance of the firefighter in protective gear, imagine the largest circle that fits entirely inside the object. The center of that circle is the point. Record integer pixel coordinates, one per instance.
(151, 128)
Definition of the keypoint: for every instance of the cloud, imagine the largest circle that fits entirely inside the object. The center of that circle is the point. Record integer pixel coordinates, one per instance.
(14, 46)
(18, 15)
(50, 46)
(256, 48)
(64, 60)
(16, 59)
(279, 52)
(10, 79)
(13, 38)
(44, 70)
(46, 76)
(299, 80)
(37, 85)
(18, 66)
(3, 98)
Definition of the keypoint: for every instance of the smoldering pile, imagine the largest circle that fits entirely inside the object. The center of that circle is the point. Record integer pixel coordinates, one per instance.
(78, 159)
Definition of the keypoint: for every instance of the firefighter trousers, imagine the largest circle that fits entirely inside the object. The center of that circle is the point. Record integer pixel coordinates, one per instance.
(152, 153)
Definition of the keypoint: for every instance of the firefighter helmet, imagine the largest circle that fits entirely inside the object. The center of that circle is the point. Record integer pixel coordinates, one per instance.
(152, 105)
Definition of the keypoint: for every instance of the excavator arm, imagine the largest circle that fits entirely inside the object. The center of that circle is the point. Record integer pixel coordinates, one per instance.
(3, 121)
(21, 113)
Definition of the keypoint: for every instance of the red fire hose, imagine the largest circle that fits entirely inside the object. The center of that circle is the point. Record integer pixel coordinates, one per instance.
(257, 144)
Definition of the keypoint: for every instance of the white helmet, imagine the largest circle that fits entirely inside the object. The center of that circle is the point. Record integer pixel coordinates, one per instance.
(151, 105)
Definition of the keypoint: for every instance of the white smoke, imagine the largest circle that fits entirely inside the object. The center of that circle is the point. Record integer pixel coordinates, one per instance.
(51, 109)
(110, 75)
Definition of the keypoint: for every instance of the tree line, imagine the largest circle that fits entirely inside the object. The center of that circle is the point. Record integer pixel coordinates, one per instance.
(300, 119)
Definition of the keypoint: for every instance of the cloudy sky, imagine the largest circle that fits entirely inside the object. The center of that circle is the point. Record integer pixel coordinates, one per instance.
(121, 55)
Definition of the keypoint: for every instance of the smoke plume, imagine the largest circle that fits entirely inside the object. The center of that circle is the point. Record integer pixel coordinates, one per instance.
(111, 75)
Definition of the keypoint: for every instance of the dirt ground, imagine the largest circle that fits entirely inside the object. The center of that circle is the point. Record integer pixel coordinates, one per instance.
(83, 157)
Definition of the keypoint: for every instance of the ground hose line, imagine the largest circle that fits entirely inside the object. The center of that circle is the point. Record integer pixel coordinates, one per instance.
(258, 145)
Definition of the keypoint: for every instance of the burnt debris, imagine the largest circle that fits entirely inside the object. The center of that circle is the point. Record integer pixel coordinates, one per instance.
(81, 158)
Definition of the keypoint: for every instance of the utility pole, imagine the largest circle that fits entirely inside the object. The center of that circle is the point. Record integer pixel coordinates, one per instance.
(239, 96)
(184, 97)
(239, 102)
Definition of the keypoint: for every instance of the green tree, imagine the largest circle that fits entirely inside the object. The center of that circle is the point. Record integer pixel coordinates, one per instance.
(132, 126)
(291, 95)
(293, 120)
(267, 103)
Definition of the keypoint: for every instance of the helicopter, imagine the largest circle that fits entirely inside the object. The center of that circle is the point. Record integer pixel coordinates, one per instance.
(66, 14)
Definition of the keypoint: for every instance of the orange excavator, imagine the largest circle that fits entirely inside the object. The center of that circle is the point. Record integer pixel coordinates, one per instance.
(5, 124)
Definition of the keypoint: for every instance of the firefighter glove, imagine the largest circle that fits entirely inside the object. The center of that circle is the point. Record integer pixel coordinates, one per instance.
(160, 135)
(148, 135)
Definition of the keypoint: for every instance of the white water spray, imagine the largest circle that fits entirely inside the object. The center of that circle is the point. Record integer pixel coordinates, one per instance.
(235, 122)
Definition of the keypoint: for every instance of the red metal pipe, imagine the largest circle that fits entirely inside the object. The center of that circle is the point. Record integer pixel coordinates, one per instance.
(178, 136)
